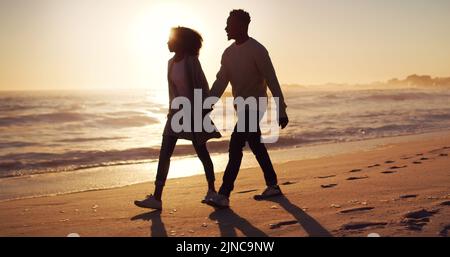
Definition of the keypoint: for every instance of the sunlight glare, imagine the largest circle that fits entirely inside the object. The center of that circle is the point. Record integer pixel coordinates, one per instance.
(150, 35)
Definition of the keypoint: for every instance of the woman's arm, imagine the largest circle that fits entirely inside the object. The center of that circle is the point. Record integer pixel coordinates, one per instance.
(222, 79)
(169, 86)
(200, 81)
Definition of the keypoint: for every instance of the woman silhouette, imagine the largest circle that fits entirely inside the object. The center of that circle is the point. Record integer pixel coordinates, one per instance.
(185, 74)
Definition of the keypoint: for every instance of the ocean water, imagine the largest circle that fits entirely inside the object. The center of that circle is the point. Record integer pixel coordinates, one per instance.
(48, 132)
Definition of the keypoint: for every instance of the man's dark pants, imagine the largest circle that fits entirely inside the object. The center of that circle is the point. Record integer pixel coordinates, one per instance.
(252, 135)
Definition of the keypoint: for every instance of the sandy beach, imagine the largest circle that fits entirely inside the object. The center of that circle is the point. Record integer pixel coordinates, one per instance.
(395, 189)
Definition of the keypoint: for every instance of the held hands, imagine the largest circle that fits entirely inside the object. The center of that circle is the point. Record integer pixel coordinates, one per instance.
(283, 121)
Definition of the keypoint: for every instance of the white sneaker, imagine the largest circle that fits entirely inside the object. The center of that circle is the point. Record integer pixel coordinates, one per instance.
(149, 202)
(219, 201)
(209, 195)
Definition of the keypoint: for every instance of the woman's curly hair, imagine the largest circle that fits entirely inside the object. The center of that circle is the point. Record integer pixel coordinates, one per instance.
(189, 40)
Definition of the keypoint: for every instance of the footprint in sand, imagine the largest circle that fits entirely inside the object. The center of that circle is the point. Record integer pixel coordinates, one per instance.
(439, 150)
(388, 172)
(416, 220)
(419, 214)
(362, 224)
(328, 176)
(407, 196)
(328, 185)
(417, 162)
(423, 158)
(355, 178)
(374, 165)
(444, 231)
(355, 170)
(398, 167)
(435, 150)
(288, 183)
(357, 209)
(283, 223)
(389, 161)
(247, 191)
(443, 154)
(445, 203)
(419, 154)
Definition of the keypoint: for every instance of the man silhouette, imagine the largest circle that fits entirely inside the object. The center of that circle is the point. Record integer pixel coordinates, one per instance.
(247, 66)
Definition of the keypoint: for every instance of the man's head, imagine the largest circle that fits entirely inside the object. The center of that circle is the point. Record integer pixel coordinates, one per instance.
(237, 24)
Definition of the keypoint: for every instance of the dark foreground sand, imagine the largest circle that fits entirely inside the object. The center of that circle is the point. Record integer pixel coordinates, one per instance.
(401, 189)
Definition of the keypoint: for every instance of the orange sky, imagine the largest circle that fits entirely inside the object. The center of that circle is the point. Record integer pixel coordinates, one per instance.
(112, 44)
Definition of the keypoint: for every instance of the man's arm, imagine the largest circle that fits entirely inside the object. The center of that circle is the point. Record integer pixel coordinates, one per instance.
(222, 79)
(265, 66)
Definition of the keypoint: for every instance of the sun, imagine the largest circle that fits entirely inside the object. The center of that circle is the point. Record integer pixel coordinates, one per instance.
(153, 26)
(150, 33)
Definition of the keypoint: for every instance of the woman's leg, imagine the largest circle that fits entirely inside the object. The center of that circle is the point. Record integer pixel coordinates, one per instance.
(205, 158)
(167, 147)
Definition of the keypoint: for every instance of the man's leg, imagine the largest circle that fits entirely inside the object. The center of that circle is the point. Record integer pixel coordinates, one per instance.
(237, 142)
(261, 154)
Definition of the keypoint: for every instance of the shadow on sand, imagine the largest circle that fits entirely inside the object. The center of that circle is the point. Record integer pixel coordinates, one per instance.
(157, 228)
(309, 224)
(229, 221)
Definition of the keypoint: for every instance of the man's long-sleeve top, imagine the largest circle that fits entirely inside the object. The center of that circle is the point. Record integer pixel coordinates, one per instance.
(249, 69)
